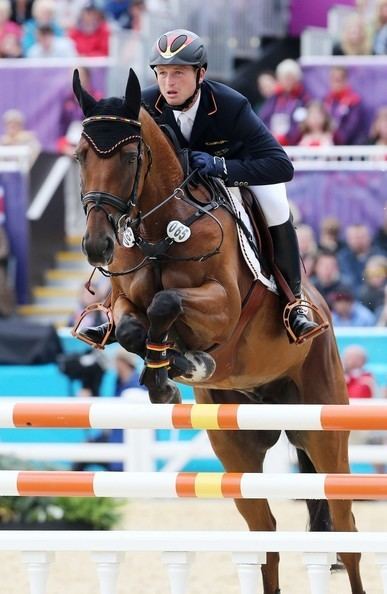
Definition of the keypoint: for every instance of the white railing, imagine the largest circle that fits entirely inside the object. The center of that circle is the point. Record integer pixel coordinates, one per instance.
(15, 158)
(338, 158)
(248, 551)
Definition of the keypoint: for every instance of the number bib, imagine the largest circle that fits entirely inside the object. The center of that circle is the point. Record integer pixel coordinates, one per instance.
(178, 231)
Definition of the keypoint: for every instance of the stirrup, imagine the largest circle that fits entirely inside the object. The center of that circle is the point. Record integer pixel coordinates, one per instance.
(90, 309)
(323, 325)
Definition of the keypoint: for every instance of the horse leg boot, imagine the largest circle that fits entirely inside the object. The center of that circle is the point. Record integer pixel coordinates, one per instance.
(165, 308)
(287, 259)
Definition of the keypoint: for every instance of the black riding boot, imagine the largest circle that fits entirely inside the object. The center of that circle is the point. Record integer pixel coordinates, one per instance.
(287, 258)
(96, 333)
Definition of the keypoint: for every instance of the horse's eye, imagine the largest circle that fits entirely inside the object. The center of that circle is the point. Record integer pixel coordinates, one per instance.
(131, 157)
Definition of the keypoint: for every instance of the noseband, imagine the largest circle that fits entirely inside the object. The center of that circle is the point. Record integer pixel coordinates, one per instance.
(99, 199)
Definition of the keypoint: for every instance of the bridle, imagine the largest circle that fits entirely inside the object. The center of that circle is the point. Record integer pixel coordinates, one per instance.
(154, 253)
(99, 199)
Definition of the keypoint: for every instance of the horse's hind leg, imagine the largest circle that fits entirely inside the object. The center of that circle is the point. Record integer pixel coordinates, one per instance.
(329, 453)
(244, 451)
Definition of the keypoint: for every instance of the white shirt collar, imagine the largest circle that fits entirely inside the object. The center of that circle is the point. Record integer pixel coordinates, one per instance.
(189, 114)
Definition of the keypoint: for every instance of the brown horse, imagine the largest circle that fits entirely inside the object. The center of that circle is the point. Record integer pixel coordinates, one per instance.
(189, 289)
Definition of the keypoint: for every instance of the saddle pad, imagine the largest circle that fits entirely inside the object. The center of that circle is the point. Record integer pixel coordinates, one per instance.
(251, 260)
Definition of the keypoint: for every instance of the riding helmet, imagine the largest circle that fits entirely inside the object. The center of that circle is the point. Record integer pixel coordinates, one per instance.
(180, 47)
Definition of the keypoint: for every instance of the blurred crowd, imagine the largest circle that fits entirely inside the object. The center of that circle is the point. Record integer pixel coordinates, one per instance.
(64, 28)
(349, 268)
(296, 118)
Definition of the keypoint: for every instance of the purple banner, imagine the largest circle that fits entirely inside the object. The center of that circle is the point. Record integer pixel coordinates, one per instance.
(306, 13)
(15, 187)
(39, 93)
(353, 197)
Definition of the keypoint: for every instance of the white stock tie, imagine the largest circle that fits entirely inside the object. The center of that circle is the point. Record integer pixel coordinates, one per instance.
(184, 123)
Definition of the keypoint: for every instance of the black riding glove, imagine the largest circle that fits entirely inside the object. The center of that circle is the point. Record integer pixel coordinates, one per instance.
(209, 165)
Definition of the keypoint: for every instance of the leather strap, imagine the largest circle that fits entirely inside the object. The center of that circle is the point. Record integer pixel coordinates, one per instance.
(224, 354)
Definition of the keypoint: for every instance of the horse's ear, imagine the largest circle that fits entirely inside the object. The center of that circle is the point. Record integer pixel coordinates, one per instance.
(86, 101)
(133, 94)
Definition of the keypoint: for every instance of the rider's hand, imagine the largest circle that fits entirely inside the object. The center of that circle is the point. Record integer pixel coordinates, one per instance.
(209, 165)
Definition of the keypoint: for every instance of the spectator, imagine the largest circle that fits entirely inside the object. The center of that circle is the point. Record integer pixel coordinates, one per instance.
(353, 256)
(8, 31)
(317, 127)
(50, 46)
(326, 277)
(347, 311)
(132, 18)
(344, 107)
(285, 110)
(329, 238)
(7, 297)
(116, 8)
(354, 40)
(43, 12)
(21, 11)
(378, 131)
(360, 383)
(91, 35)
(382, 319)
(380, 239)
(371, 293)
(308, 247)
(15, 133)
(379, 41)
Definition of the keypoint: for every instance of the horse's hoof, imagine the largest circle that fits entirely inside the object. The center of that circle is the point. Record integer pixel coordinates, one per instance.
(202, 366)
(168, 394)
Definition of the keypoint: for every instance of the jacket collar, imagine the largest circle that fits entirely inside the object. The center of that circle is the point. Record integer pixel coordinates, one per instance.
(207, 107)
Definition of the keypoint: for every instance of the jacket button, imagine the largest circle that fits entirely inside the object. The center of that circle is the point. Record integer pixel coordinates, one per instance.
(245, 183)
(236, 183)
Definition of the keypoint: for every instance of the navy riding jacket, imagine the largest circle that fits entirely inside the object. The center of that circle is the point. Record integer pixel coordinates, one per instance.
(226, 126)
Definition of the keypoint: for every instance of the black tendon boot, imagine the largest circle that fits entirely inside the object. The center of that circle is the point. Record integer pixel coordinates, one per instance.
(287, 259)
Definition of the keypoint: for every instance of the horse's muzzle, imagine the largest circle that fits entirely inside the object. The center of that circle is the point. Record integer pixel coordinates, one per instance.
(99, 250)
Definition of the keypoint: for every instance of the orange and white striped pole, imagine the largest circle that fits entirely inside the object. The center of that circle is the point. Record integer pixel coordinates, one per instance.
(198, 485)
(113, 414)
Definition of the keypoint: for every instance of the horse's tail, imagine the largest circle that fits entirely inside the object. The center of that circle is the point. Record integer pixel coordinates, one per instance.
(319, 516)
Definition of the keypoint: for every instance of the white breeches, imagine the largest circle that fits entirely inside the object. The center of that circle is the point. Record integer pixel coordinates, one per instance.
(274, 203)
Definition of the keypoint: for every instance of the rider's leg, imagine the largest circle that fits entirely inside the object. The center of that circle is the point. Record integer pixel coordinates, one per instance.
(274, 203)
(97, 333)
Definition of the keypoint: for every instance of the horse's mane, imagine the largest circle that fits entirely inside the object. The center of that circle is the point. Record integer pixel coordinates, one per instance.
(155, 137)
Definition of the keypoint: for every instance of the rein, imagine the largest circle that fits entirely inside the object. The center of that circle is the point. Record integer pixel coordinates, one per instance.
(153, 252)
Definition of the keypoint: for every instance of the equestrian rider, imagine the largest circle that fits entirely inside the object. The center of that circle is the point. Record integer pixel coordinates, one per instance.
(227, 140)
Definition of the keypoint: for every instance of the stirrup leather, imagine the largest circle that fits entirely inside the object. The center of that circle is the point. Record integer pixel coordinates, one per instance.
(88, 310)
(323, 325)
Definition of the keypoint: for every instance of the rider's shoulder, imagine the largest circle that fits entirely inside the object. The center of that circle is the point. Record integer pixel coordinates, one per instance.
(224, 95)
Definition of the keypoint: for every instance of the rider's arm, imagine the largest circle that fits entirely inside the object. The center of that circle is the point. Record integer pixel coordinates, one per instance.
(265, 162)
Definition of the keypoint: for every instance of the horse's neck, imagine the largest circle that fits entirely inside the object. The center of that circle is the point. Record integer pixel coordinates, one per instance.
(165, 173)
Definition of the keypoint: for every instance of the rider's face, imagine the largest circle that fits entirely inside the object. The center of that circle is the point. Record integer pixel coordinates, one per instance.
(177, 83)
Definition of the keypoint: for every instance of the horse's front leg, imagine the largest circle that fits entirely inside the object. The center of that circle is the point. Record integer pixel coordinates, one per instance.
(207, 315)
(130, 328)
(165, 308)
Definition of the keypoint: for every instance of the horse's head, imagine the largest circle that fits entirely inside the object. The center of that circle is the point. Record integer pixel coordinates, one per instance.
(110, 154)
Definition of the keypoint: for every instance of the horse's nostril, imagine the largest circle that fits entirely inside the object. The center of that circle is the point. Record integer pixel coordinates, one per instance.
(109, 246)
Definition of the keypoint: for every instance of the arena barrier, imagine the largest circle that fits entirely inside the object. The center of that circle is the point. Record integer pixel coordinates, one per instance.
(203, 485)
(113, 414)
(248, 548)
(248, 551)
